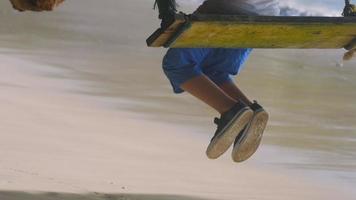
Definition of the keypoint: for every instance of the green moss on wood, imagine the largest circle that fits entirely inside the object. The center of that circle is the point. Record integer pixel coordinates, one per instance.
(267, 35)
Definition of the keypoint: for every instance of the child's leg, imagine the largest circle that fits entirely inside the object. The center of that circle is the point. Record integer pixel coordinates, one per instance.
(207, 91)
(221, 64)
(184, 70)
(182, 67)
(230, 88)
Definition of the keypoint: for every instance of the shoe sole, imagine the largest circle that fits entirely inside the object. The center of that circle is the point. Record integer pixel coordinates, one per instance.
(222, 143)
(252, 138)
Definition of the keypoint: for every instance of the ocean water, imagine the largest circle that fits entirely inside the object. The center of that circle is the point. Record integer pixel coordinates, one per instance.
(100, 46)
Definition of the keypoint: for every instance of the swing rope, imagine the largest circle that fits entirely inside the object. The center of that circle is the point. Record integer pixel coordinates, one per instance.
(349, 10)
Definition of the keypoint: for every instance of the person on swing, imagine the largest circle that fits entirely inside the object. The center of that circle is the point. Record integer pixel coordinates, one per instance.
(206, 74)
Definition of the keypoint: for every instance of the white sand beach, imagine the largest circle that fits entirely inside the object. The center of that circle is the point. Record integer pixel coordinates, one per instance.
(87, 114)
(53, 140)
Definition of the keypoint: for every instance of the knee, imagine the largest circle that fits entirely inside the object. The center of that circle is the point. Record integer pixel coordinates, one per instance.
(219, 77)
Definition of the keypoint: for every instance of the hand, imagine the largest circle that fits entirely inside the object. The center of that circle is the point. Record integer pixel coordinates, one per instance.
(35, 5)
(48, 4)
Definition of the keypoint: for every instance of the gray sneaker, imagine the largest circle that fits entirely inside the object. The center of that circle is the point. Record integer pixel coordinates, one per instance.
(248, 141)
(230, 125)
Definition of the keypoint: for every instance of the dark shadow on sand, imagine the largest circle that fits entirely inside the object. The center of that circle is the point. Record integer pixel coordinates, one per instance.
(14, 195)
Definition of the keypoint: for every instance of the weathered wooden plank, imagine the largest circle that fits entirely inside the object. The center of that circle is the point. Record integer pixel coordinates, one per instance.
(162, 37)
(271, 19)
(232, 31)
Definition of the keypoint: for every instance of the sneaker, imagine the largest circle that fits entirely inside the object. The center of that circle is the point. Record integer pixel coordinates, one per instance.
(248, 141)
(230, 125)
(167, 10)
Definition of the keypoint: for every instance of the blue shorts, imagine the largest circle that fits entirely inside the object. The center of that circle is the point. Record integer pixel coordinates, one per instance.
(183, 64)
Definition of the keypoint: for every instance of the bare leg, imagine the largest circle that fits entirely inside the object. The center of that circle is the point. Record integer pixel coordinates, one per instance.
(234, 92)
(206, 90)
